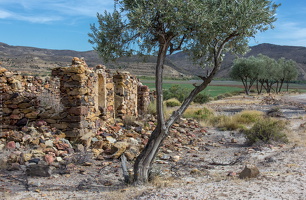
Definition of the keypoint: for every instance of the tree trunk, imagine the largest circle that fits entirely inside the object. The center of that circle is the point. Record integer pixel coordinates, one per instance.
(145, 159)
(281, 85)
(277, 87)
(245, 85)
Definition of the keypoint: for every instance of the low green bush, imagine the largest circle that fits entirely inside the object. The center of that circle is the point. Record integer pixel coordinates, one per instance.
(172, 102)
(199, 114)
(201, 98)
(266, 130)
(176, 92)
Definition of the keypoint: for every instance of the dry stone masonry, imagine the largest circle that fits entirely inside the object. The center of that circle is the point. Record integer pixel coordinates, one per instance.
(77, 100)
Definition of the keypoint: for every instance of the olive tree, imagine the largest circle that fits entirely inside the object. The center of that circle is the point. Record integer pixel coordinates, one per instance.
(245, 69)
(206, 28)
(288, 72)
(269, 70)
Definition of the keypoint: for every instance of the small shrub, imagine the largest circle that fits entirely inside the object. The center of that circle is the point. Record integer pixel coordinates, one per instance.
(217, 120)
(231, 125)
(266, 130)
(235, 93)
(225, 123)
(220, 96)
(199, 114)
(172, 102)
(152, 108)
(176, 92)
(237, 121)
(201, 98)
(248, 116)
(227, 95)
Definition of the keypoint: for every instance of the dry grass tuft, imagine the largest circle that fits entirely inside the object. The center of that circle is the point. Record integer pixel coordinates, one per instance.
(237, 121)
(248, 116)
(201, 114)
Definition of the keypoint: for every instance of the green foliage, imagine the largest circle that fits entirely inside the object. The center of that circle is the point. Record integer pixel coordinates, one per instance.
(199, 114)
(246, 70)
(266, 71)
(176, 92)
(194, 25)
(248, 116)
(172, 102)
(211, 90)
(266, 130)
(238, 121)
(201, 98)
(180, 93)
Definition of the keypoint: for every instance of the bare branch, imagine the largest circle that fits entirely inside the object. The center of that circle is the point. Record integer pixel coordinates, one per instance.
(177, 48)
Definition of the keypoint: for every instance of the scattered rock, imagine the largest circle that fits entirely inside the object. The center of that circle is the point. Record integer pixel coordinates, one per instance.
(11, 145)
(39, 170)
(118, 149)
(232, 174)
(250, 171)
(13, 167)
(49, 158)
(175, 158)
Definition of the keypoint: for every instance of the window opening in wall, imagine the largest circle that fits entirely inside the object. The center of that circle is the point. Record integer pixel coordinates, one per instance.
(102, 94)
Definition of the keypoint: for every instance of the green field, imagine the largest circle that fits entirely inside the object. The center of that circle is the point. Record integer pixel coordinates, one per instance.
(211, 90)
(215, 88)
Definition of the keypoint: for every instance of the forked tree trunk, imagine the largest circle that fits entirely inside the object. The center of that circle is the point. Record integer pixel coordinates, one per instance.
(144, 161)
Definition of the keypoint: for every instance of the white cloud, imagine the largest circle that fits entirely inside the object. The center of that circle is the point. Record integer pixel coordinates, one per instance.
(37, 11)
(292, 30)
(83, 7)
(28, 18)
(4, 14)
(289, 32)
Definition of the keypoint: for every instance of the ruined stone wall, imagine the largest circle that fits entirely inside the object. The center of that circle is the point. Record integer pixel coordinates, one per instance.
(79, 94)
(143, 95)
(76, 100)
(126, 91)
(105, 93)
(25, 99)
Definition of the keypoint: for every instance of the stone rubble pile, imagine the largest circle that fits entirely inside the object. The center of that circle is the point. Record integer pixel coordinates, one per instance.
(45, 146)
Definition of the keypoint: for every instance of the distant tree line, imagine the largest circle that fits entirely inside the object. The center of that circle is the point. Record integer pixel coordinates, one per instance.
(264, 72)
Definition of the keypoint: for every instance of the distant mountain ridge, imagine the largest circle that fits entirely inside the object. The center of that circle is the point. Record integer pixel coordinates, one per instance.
(41, 61)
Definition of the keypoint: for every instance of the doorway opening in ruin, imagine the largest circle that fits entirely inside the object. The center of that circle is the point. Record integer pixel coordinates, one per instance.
(102, 94)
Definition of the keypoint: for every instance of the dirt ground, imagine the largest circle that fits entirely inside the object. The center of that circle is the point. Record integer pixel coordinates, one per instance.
(205, 169)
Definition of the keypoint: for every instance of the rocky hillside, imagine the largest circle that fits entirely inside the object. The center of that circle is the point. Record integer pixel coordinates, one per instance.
(36, 60)
(274, 51)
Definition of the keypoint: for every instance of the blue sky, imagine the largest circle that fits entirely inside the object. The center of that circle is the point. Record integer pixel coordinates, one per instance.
(64, 24)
